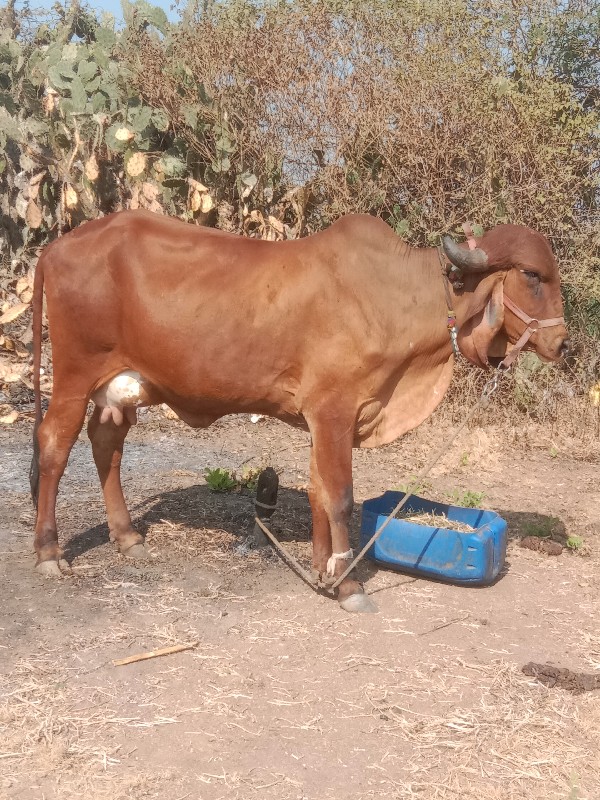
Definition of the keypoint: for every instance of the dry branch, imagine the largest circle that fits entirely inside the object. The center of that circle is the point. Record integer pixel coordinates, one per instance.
(162, 651)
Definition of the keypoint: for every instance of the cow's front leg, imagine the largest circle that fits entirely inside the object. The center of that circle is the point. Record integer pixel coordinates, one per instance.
(107, 440)
(321, 532)
(332, 503)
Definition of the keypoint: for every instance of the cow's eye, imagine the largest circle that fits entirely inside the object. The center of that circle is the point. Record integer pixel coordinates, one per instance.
(533, 276)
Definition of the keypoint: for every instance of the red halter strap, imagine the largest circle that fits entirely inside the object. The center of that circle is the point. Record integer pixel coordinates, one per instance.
(532, 326)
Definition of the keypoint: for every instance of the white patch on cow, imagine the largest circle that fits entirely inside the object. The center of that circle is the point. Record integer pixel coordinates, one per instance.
(411, 345)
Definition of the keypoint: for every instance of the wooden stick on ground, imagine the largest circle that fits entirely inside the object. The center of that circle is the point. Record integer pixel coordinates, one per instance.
(163, 651)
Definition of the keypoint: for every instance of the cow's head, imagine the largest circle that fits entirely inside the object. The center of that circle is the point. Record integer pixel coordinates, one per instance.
(510, 270)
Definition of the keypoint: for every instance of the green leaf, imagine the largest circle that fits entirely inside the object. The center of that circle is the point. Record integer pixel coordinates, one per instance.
(137, 13)
(160, 120)
(249, 179)
(219, 130)
(36, 127)
(56, 79)
(69, 52)
(190, 115)
(225, 145)
(66, 106)
(93, 85)
(9, 125)
(99, 102)
(8, 103)
(205, 98)
(172, 166)
(100, 56)
(42, 32)
(106, 38)
(65, 69)
(142, 143)
(402, 227)
(141, 119)
(78, 95)
(53, 55)
(575, 542)
(87, 71)
(15, 47)
(47, 191)
(110, 89)
(27, 163)
(220, 480)
(157, 17)
(221, 165)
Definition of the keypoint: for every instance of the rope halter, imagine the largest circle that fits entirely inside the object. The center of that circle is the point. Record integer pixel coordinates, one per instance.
(533, 325)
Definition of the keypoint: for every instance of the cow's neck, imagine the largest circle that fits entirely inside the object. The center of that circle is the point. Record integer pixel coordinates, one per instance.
(432, 304)
(421, 347)
(457, 304)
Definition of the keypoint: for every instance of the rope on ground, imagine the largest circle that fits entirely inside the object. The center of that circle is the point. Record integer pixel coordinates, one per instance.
(287, 556)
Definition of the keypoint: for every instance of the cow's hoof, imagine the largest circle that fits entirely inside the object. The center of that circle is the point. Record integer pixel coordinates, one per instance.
(138, 552)
(53, 569)
(359, 603)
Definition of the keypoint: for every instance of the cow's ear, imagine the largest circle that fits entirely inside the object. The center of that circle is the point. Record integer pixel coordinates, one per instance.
(478, 335)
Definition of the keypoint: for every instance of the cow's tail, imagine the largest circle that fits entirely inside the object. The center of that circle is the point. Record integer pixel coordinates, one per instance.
(38, 301)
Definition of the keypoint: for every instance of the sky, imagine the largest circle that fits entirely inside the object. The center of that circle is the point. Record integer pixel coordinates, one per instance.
(112, 6)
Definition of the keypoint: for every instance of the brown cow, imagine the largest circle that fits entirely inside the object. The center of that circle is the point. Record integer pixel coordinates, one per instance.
(343, 333)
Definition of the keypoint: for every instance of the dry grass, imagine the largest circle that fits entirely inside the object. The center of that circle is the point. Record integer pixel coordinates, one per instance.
(592, 648)
(443, 730)
(520, 740)
(437, 521)
(286, 697)
(47, 729)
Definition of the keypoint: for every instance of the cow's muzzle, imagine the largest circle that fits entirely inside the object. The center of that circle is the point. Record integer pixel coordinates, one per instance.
(533, 325)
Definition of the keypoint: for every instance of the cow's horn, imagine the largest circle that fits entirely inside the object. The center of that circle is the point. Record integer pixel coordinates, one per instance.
(468, 260)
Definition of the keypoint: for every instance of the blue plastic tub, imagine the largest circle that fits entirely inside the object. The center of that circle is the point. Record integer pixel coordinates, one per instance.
(473, 558)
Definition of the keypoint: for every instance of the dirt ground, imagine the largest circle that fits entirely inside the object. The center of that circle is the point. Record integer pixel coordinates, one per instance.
(286, 696)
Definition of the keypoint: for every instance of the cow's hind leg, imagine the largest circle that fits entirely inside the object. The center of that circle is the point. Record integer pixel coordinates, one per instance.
(107, 440)
(57, 433)
(332, 502)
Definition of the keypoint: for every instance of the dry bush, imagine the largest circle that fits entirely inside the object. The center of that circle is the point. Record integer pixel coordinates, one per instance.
(272, 120)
